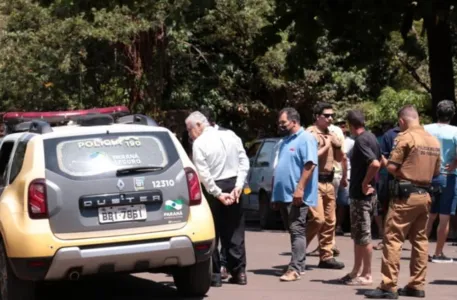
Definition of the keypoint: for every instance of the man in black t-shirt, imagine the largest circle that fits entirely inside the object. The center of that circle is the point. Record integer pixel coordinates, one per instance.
(366, 161)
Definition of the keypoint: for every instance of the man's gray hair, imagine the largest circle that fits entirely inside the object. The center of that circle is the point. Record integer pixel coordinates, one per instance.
(197, 117)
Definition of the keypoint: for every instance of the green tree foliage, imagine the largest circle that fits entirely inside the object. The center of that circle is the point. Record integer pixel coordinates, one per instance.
(390, 101)
(245, 59)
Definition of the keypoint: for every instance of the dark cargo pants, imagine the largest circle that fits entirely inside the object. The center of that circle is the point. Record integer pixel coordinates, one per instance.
(294, 219)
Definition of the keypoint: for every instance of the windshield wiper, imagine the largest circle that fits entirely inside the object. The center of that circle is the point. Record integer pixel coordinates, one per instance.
(127, 171)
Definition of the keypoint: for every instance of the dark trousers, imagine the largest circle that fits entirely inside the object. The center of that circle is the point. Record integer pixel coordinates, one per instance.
(294, 218)
(223, 256)
(229, 226)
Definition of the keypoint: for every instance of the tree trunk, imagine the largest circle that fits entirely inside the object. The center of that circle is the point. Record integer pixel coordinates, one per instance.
(440, 59)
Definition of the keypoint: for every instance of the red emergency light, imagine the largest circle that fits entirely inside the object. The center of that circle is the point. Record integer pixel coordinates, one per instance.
(11, 118)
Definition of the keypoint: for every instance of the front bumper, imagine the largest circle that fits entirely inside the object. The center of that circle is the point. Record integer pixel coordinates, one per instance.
(134, 257)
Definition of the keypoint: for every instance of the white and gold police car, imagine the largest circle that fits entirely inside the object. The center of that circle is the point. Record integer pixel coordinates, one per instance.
(110, 193)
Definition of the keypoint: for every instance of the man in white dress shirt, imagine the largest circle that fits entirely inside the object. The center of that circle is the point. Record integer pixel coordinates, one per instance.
(223, 165)
(209, 114)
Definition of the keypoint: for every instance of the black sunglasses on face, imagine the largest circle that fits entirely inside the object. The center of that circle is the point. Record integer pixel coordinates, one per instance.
(328, 115)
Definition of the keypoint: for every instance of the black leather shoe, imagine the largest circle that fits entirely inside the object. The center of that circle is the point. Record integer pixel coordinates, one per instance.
(239, 278)
(216, 280)
(331, 264)
(381, 294)
(409, 292)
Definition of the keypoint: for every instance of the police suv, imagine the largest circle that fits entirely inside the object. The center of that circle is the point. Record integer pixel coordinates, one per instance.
(106, 192)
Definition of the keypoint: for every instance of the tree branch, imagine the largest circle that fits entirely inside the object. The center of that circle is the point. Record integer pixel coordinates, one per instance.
(413, 73)
(200, 53)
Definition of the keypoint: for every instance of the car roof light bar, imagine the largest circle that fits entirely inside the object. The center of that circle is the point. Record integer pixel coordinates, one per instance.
(11, 118)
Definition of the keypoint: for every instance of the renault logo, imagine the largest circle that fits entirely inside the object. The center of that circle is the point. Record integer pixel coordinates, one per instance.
(120, 184)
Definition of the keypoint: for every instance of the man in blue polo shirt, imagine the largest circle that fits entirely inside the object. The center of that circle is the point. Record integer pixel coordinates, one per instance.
(295, 185)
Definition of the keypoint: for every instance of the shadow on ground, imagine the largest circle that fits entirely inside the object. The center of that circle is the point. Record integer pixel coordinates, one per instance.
(443, 282)
(362, 291)
(110, 288)
(277, 270)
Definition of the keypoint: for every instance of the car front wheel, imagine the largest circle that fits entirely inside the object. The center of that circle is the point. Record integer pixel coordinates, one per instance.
(195, 280)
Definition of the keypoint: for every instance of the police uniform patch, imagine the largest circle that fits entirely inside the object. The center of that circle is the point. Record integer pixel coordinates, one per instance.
(395, 144)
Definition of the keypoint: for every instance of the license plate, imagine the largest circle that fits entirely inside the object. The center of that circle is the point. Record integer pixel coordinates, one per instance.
(126, 213)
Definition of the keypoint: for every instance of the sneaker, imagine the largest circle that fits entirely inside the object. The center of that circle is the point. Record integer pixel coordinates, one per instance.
(331, 264)
(224, 273)
(381, 294)
(281, 272)
(216, 280)
(441, 259)
(290, 275)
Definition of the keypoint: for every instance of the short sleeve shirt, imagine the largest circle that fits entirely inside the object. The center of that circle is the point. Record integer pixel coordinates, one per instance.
(326, 161)
(417, 154)
(365, 150)
(447, 136)
(294, 152)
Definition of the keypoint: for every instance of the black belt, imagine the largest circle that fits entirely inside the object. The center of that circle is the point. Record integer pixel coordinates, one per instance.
(403, 189)
(326, 178)
(225, 180)
(420, 190)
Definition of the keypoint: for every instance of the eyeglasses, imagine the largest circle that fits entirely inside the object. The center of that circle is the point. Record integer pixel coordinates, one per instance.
(328, 115)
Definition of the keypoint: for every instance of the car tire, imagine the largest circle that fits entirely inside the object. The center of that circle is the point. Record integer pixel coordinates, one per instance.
(11, 287)
(267, 215)
(195, 280)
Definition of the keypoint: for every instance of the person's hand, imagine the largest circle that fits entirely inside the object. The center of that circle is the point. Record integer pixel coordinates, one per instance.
(226, 199)
(235, 194)
(335, 141)
(450, 167)
(367, 189)
(274, 206)
(298, 197)
(327, 142)
(344, 182)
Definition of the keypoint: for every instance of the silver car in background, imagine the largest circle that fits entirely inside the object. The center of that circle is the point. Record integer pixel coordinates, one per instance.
(261, 154)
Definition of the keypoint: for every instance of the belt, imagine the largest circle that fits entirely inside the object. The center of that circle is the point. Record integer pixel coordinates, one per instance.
(225, 180)
(420, 190)
(326, 177)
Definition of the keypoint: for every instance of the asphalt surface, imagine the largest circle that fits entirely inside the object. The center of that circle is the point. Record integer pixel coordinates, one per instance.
(268, 252)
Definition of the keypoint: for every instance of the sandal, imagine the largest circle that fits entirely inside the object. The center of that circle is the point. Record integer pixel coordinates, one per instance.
(379, 246)
(359, 281)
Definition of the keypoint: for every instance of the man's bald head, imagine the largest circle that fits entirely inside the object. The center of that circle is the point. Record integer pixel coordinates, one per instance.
(408, 112)
(408, 116)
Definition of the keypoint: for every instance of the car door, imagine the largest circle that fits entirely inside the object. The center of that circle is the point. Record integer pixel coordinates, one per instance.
(260, 180)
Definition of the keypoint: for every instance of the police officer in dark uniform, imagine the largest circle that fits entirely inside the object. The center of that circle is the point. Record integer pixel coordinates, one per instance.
(414, 160)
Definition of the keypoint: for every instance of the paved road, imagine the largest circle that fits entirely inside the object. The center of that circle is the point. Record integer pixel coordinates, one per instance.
(267, 253)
